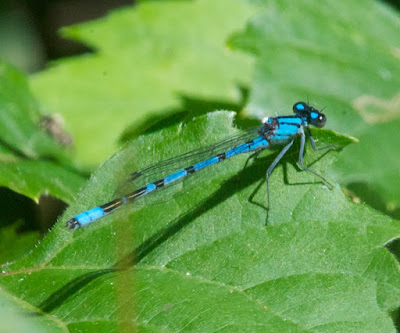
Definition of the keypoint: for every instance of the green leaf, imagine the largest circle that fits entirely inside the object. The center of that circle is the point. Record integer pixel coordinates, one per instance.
(17, 316)
(13, 244)
(31, 162)
(382, 157)
(148, 58)
(34, 178)
(205, 260)
(20, 118)
(342, 55)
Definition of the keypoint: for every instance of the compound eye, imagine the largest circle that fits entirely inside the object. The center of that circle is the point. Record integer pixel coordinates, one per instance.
(299, 106)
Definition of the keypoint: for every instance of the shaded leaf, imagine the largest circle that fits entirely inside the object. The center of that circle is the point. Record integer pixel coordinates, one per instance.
(14, 244)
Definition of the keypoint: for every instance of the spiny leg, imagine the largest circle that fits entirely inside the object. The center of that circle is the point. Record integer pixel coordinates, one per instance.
(301, 155)
(274, 163)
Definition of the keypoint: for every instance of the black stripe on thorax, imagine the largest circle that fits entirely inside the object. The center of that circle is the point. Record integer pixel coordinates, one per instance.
(288, 123)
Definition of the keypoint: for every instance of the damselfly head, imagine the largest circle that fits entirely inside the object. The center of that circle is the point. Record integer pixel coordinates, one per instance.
(312, 115)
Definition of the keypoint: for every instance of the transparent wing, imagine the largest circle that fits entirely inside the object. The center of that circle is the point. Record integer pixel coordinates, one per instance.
(160, 170)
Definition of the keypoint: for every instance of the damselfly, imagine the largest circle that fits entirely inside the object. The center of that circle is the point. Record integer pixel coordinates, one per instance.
(280, 130)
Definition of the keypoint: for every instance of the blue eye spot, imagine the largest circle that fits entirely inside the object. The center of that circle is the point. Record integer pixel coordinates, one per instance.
(314, 115)
(300, 107)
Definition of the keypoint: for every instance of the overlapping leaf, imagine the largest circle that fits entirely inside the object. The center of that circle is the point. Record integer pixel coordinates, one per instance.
(206, 260)
(147, 59)
(31, 162)
(342, 55)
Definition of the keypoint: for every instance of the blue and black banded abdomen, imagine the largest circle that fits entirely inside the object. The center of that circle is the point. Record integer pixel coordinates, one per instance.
(94, 214)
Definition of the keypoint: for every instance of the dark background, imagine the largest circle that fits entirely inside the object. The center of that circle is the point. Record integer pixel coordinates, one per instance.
(28, 28)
